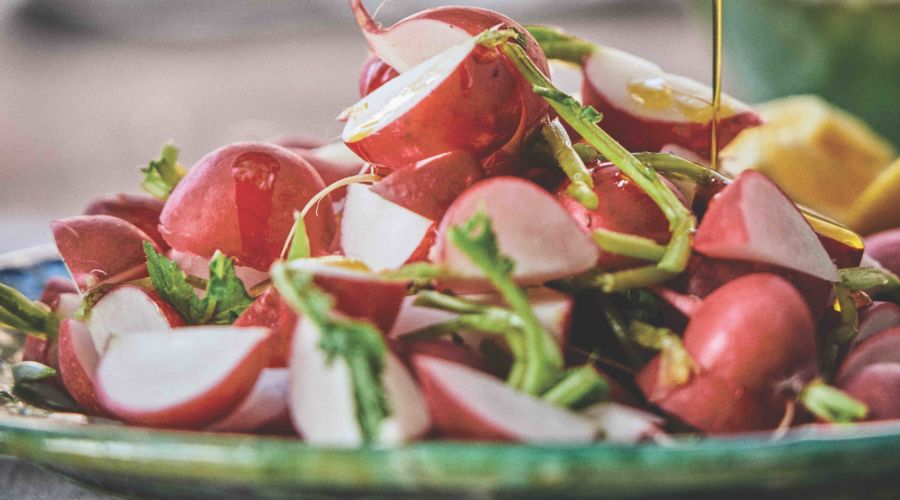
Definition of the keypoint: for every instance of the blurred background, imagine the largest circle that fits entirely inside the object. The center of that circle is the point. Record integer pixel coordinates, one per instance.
(90, 89)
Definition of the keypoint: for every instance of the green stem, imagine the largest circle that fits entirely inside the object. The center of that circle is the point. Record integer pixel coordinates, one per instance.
(580, 386)
(831, 404)
(849, 327)
(629, 245)
(620, 281)
(581, 187)
(620, 330)
(677, 166)
(560, 45)
(676, 364)
(20, 313)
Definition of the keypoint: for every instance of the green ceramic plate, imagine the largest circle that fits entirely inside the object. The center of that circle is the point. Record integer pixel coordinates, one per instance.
(844, 462)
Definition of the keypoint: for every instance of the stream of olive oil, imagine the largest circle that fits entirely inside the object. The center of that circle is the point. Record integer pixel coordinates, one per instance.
(716, 84)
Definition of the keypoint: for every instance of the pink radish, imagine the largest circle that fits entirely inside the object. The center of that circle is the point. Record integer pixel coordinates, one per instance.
(270, 311)
(753, 220)
(375, 73)
(878, 317)
(184, 378)
(754, 345)
(884, 247)
(322, 404)
(78, 360)
(624, 424)
(61, 296)
(380, 233)
(684, 304)
(195, 265)
(462, 99)
(264, 406)
(333, 162)
(469, 404)
(141, 210)
(241, 199)
(430, 186)
(445, 349)
(519, 210)
(878, 386)
(129, 309)
(645, 108)
(883, 347)
(411, 317)
(100, 249)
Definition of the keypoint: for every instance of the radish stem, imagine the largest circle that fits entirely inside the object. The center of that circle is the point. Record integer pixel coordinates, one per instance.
(560, 45)
(581, 187)
(629, 245)
(831, 404)
(580, 387)
(676, 365)
(20, 313)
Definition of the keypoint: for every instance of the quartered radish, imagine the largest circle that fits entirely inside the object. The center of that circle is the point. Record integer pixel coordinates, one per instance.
(141, 210)
(380, 233)
(619, 423)
(78, 360)
(876, 318)
(241, 199)
(129, 309)
(645, 108)
(753, 220)
(61, 296)
(322, 404)
(270, 311)
(183, 378)
(266, 405)
(100, 249)
(442, 348)
(195, 265)
(375, 73)
(532, 229)
(411, 317)
(469, 404)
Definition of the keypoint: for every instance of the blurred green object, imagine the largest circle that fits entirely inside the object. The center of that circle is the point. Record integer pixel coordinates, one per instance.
(847, 51)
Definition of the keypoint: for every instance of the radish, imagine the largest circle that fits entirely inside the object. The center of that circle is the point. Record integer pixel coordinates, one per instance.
(464, 98)
(375, 73)
(430, 186)
(195, 265)
(883, 347)
(469, 404)
(411, 317)
(685, 304)
(184, 378)
(141, 210)
(100, 249)
(265, 406)
(61, 296)
(380, 233)
(884, 247)
(753, 220)
(333, 161)
(623, 424)
(445, 349)
(878, 386)
(876, 318)
(552, 308)
(645, 108)
(322, 404)
(241, 199)
(519, 210)
(129, 309)
(78, 360)
(270, 311)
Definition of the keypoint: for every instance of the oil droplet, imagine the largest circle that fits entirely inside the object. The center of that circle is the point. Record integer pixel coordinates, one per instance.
(834, 231)
(652, 93)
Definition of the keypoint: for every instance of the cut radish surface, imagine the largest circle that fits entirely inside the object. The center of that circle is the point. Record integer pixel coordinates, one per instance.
(753, 220)
(78, 360)
(322, 402)
(532, 229)
(100, 249)
(128, 309)
(381, 234)
(878, 317)
(412, 317)
(195, 265)
(184, 378)
(265, 405)
(67, 305)
(270, 311)
(469, 404)
(646, 109)
(623, 424)
(883, 347)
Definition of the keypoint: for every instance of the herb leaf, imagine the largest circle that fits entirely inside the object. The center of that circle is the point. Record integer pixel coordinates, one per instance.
(163, 174)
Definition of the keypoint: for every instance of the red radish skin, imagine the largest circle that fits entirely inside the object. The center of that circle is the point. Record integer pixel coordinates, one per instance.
(380, 233)
(429, 187)
(753, 220)
(375, 73)
(78, 360)
(519, 210)
(878, 387)
(623, 207)
(100, 249)
(754, 344)
(141, 210)
(270, 311)
(130, 309)
(266, 405)
(470, 405)
(685, 304)
(463, 99)
(185, 378)
(56, 290)
(445, 349)
(884, 247)
(333, 162)
(241, 199)
(673, 110)
(299, 141)
(883, 347)
(876, 318)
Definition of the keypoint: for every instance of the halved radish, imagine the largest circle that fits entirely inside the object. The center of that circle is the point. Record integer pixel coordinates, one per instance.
(380, 233)
(469, 404)
(270, 311)
(375, 73)
(411, 317)
(183, 378)
(61, 296)
(100, 249)
(199, 267)
(883, 347)
(464, 98)
(685, 304)
(141, 210)
(753, 220)
(129, 309)
(443, 348)
(532, 229)
(78, 360)
(267, 404)
(878, 317)
(624, 424)
(322, 403)
(645, 108)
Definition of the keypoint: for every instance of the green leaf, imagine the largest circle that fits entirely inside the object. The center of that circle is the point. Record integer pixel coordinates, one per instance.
(163, 174)
(225, 292)
(20, 313)
(358, 343)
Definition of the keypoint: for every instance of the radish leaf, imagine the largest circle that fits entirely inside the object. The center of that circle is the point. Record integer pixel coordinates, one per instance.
(163, 174)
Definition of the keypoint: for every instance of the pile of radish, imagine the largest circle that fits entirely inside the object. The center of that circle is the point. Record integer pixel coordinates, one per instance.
(483, 257)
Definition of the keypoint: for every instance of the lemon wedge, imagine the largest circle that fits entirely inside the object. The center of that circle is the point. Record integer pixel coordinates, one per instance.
(878, 207)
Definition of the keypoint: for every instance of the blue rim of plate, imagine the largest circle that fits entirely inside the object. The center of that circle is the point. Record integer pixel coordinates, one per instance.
(852, 459)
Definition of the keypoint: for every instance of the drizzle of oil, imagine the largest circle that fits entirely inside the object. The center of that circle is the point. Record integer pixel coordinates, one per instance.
(655, 93)
(716, 85)
(834, 230)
